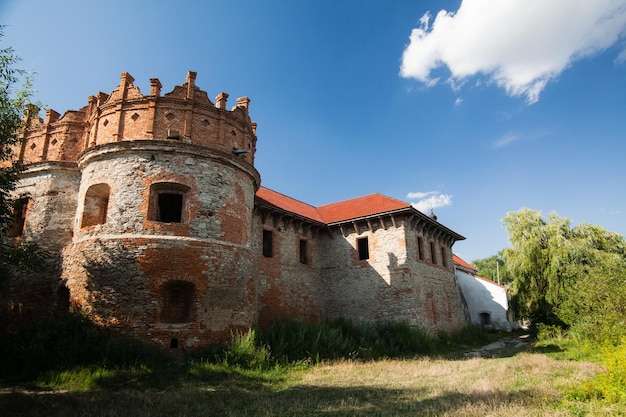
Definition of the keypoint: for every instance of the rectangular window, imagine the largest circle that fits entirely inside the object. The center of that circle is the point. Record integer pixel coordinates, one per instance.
(444, 261)
(268, 244)
(170, 208)
(433, 253)
(420, 248)
(363, 247)
(303, 254)
(167, 202)
(20, 209)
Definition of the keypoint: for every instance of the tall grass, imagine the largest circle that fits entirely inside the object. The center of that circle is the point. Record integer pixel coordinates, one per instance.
(291, 341)
(71, 351)
(68, 342)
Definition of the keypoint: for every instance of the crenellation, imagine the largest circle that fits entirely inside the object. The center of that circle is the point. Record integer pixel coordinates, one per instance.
(157, 216)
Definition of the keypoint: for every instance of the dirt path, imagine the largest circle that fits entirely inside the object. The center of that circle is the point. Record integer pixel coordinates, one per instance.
(502, 348)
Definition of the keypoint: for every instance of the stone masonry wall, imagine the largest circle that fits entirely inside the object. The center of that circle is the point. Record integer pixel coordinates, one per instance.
(288, 288)
(117, 270)
(389, 286)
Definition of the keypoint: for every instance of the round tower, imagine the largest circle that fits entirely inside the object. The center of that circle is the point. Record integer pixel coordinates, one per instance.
(162, 235)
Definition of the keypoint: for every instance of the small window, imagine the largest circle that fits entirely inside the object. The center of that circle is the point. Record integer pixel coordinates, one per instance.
(444, 260)
(96, 205)
(20, 210)
(176, 301)
(420, 248)
(485, 319)
(169, 208)
(433, 253)
(268, 243)
(363, 247)
(303, 251)
(167, 202)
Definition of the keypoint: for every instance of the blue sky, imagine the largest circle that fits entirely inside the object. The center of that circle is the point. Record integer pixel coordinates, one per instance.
(484, 109)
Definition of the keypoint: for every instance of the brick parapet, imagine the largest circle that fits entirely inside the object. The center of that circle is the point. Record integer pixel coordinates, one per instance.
(185, 114)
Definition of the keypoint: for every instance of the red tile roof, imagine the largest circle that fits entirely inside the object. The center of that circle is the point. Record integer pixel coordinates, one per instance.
(355, 208)
(461, 262)
(288, 204)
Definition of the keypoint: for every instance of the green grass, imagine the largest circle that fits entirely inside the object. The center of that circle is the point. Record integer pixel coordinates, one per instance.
(294, 369)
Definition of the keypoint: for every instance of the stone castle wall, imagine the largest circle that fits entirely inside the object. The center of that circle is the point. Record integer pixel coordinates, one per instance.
(147, 203)
(392, 285)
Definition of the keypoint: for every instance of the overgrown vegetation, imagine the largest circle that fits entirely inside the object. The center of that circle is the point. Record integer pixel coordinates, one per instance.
(570, 282)
(56, 346)
(296, 369)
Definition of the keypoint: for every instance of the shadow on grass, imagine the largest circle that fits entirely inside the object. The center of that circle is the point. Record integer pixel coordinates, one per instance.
(296, 401)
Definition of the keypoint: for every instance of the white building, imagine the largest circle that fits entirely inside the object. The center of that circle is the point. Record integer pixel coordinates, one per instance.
(486, 301)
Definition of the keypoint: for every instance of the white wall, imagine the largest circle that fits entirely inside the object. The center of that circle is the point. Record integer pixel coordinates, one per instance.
(484, 296)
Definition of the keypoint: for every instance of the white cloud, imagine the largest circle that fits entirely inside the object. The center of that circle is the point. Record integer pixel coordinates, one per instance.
(420, 194)
(458, 101)
(520, 45)
(430, 200)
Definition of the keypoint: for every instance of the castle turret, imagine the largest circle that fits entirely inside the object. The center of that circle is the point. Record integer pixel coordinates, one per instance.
(157, 230)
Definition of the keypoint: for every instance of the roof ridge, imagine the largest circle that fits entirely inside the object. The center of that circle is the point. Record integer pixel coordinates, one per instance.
(362, 196)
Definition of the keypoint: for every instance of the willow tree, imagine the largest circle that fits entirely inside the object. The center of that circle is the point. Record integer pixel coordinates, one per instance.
(549, 259)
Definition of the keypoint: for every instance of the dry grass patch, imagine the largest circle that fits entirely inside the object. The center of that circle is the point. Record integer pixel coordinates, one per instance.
(528, 384)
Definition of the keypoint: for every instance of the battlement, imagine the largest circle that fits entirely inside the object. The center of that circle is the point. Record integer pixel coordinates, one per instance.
(185, 114)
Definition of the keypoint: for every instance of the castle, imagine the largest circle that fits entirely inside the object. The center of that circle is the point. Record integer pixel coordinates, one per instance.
(160, 227)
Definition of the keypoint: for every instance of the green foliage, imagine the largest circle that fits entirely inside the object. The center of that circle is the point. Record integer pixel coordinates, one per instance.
(494, 267)
(563, 275)
(13, 107)
(291, 341)
(245, 352)
(609, 385)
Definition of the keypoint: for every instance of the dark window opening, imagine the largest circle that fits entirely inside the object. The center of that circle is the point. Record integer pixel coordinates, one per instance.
(485, 319)
(20, 209)
(420, 248)
(173, 134)
(268, 244)
(62, 304)
(174, 343)
(167, 202)
(444, 260)
(303, 252)
(170, 208)
(176, 301)
(433, 253)
(96, 205)
(363, 247)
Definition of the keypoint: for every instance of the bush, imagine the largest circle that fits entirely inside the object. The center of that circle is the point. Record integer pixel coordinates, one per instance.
(611, 384)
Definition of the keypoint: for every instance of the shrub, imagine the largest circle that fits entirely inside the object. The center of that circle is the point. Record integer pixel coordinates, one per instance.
(246, 353)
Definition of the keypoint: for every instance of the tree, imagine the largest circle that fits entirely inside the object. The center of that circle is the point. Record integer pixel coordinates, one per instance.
(494, 268)
(555, 266)
(13, 108)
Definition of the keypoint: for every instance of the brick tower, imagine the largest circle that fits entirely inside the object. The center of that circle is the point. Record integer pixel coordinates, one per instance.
(159, 242)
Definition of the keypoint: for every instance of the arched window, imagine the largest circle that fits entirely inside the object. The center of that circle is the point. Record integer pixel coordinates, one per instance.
(96, 205)
(167, 202)
(176, 301)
